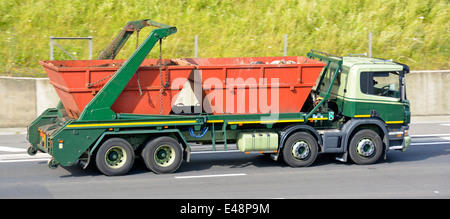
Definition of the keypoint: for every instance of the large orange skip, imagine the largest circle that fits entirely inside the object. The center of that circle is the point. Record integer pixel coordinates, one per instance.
(229, 85)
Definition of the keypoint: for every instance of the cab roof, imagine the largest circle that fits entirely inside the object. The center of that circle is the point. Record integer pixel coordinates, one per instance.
(351, 61)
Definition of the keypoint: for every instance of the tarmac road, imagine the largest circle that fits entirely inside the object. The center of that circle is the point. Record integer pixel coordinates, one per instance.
(423, 171)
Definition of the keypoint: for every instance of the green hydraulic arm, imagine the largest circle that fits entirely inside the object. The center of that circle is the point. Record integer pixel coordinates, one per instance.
(330, 60)
(99, 108)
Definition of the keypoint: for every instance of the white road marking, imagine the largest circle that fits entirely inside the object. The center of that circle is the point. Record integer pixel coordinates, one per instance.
(209, 176)
(430, 139)
(22, 157)
(446, 124)
(13, 133)
(24, 160)
(430, 143)
(12, 149)
(429, 135)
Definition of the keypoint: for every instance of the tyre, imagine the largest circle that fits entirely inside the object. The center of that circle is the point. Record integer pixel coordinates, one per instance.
(300, 150)
(162, 155)
(115, 157)
(31, 150)
(365, 147)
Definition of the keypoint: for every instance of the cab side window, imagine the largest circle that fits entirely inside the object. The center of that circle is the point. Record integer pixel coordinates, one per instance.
(385, 84)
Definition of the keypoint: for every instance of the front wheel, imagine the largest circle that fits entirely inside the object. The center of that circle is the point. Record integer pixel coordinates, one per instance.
(163, 155)
(300, 150)
(365, 147)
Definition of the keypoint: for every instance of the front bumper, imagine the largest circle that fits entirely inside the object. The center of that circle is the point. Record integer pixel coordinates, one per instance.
(407, 142)
(399, 138)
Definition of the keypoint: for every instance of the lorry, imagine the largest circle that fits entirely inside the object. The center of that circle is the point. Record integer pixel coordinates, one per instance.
(291, 108)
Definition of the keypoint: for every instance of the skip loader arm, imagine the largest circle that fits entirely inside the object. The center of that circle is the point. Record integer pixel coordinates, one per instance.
(99, 108)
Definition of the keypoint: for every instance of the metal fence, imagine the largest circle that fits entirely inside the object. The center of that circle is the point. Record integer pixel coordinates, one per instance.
(54, 43)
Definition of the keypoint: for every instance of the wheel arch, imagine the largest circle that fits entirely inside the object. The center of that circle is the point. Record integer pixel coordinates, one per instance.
(375, 124)
(289, 130)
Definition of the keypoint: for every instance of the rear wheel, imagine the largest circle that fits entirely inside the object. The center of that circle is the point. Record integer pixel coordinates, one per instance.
(31, 150)
(300, 150)
(163, 155)
(115, 157)
(365, 147)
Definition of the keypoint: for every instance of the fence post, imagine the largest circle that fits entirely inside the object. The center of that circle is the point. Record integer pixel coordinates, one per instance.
(90, 47)
(196, 47)
(370, 44)
(51, 48)
(285, 44)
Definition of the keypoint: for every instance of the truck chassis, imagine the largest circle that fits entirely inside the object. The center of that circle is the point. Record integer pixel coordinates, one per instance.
(113, 140)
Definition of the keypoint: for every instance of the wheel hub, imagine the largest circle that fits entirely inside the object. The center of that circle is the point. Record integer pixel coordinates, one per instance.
(115, 157)
(365, 147)
(300, 150)
(164, 155)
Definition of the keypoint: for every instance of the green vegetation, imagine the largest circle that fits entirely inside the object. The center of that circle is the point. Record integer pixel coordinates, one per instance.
(415, 32)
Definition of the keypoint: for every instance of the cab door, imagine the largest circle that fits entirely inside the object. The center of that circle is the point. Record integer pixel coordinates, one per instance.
(383, 87)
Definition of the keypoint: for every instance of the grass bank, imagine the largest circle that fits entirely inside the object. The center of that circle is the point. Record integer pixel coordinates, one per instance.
(415, 32)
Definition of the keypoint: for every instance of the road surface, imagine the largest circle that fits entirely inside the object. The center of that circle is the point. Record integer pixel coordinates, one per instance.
(423, 171)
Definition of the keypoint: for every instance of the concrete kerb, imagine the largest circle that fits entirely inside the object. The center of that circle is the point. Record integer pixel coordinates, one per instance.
(430, 119)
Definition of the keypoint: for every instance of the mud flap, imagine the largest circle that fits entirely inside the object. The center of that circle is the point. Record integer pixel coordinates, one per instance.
(84, 160)
(187, 154)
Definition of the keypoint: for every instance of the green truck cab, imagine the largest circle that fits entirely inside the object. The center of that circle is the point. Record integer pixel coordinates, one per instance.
(372, 92)
(367, 97)
(369, 87)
